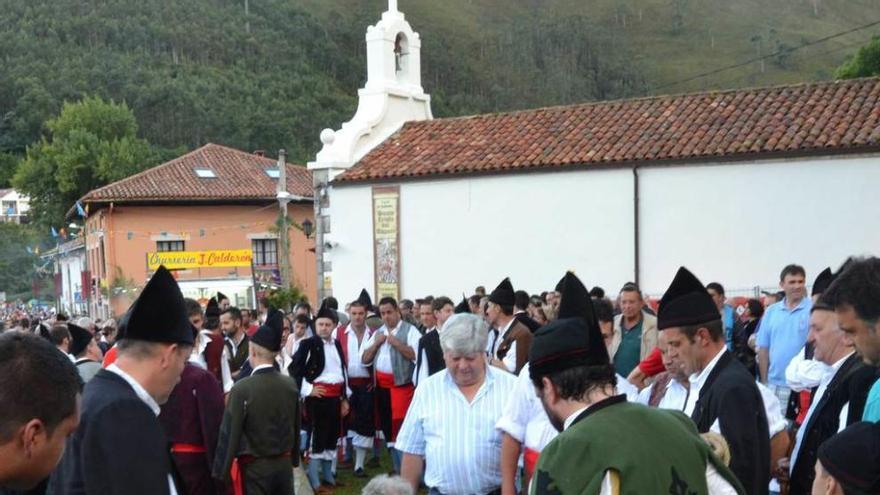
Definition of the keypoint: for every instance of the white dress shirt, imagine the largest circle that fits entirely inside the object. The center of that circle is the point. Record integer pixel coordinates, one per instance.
(382, 358)
(457, 438)
(524, 418)
(804, 374)
(147, 399)
(356, 369)
(697, 380)
(197, 357)
(676, 396)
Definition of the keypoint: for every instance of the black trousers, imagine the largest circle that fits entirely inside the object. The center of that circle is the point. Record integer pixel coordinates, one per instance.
(269, 477)
(383, 410)
(324, 415)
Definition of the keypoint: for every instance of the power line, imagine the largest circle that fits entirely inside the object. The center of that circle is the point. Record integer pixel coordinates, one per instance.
(774, 54)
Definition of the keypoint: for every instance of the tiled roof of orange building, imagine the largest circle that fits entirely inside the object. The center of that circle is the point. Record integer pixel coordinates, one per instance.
(815, 118)
(237, 175)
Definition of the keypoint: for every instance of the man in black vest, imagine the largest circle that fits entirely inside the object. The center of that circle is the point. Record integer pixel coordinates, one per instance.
(845, 384)
(723, 396)
(119, 447)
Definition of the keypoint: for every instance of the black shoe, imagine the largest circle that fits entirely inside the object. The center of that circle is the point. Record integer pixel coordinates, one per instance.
(373, 462)
(359, 473)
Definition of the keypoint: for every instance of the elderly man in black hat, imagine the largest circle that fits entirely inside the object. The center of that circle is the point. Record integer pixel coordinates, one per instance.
(511, 339)
(119, 447)
(723, 395)
(84, 348)
(849, 462)
(607, 445)
(259, 436)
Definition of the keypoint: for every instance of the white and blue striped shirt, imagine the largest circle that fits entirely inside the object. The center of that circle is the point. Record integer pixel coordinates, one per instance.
(459, 441)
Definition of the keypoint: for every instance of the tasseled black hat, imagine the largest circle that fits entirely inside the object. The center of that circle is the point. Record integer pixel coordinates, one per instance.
(212, 310)
(686, 302)
(221, 296)
(159, 313)
(463, 306)
(79, 339)
(573, 339)
(326, 312)
(364, 298)
(268, 335)
(852, 457)
(503, 295)
(823, 280)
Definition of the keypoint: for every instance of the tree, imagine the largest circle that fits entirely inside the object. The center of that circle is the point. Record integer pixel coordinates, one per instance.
(8, 163)
(17, 258)
(89, 144)
(865, 63)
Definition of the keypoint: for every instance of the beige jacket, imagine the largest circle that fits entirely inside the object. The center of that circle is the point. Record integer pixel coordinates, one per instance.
(649, 335)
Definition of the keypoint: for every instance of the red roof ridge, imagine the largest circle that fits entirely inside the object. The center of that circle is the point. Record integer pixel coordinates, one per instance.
(810, 117)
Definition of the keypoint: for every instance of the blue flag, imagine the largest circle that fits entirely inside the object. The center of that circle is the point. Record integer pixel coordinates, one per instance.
(79, 210)
(54, 232)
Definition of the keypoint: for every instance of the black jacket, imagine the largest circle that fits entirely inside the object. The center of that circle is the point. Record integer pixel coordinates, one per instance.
(528, 321)
(119, 447)
(850, 385)
(430, 343)
(731, 396)
(308, 361)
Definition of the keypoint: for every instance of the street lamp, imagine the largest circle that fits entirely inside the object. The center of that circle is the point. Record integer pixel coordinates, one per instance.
(307, 227)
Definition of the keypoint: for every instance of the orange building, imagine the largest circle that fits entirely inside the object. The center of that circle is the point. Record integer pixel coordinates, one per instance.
(212, 199)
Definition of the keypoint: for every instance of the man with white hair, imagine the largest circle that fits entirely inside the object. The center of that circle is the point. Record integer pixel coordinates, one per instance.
(387, 485)
(450, 426)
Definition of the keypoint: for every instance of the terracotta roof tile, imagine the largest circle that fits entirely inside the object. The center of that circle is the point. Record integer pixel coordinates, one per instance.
(817, 117)
(238, 176)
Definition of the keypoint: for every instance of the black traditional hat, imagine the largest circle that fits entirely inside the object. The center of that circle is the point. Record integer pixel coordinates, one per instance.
(40, 328)
(159, 313)
(686, 302)
(79, 339)
(212, 310)
(221, 296)
(463, 306)
(852, 457)
(269, 333)
(327, 312)
(823, 280)
(559, 284)
(364, 298)
(573, 339)
(503, 295)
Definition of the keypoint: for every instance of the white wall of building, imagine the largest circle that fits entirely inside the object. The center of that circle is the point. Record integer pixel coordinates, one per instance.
(456, 234)
(737, 224)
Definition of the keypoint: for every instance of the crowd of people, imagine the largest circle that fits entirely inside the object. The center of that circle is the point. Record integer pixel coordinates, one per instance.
(565, 392)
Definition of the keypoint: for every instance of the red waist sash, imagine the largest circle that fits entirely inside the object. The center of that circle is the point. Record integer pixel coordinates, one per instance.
(530, 460)
(361, 381)
(331, 389)
(241, 461)
(187, 448)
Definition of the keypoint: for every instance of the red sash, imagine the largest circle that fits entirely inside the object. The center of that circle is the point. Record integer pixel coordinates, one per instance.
(187, 448)
(530, 459)
(331, 389)
(400, 399)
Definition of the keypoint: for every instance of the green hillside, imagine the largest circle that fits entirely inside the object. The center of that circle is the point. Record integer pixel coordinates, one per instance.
(196, 71)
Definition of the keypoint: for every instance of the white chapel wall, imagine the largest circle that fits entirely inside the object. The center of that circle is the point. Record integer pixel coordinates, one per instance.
(739, 224)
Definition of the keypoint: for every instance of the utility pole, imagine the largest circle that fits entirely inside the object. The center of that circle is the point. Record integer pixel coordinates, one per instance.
(283, 236)
(247, 17)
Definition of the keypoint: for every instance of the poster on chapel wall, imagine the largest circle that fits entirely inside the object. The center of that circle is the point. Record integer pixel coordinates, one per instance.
(386, 241)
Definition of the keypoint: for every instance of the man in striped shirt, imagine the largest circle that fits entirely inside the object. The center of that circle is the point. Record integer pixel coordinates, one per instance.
(450, 426)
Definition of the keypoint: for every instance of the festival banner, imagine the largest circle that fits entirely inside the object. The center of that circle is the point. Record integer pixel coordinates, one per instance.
(386, 241)
(182, 260)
